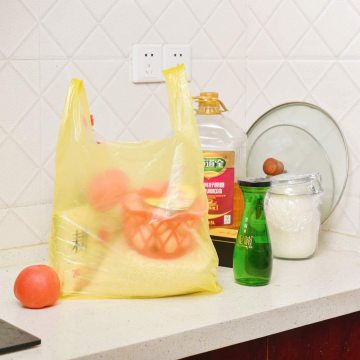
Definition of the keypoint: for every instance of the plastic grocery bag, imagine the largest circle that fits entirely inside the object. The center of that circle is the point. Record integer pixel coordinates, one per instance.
(130, 219)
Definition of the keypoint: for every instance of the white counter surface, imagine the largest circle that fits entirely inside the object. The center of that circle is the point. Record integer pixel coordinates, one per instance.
(300, 293)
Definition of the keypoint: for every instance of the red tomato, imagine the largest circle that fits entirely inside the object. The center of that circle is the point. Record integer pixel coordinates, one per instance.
(37, 286)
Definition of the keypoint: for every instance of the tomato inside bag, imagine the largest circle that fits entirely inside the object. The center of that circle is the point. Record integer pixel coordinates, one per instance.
(130, 219)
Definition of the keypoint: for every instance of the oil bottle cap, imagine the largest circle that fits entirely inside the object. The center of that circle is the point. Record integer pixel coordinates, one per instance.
(209, 103)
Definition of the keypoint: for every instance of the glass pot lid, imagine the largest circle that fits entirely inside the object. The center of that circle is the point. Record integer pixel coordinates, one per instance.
(306, 139)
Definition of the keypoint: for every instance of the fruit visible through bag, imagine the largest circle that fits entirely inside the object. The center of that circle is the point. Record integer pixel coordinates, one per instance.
(130, 219)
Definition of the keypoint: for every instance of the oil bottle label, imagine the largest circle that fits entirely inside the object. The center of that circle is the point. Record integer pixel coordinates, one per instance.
(219, 178)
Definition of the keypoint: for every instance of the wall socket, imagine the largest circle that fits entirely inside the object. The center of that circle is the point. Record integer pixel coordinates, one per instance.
(177, 54)
(148, 61)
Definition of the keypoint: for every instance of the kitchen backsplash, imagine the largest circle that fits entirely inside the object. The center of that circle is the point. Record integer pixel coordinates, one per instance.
(255, 53)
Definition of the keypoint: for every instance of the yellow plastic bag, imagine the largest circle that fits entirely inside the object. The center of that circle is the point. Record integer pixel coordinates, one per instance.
(130, 219)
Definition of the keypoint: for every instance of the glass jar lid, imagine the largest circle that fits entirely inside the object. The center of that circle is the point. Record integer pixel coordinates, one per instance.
(299, 184)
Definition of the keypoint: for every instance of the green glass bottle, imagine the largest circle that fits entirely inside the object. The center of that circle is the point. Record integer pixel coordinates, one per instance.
(252, 261)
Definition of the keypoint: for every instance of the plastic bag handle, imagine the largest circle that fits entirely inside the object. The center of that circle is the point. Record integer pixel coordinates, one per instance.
(76, 122)
(182, 113)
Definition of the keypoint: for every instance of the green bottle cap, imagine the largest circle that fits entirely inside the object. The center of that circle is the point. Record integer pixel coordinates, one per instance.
(254, 182)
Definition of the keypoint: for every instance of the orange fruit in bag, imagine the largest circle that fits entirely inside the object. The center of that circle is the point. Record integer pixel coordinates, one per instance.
(106, 189)
(162, 227)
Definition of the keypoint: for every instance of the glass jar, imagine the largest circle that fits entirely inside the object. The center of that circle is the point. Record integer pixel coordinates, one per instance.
(252, 261)
(293, 215)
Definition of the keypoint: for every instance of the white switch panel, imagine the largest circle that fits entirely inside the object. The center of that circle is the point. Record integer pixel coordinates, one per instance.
(147, 63)
(174, 54)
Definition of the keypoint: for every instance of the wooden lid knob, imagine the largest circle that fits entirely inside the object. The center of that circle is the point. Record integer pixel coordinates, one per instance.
(273, 167)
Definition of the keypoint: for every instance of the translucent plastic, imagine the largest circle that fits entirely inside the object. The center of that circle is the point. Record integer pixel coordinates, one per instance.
(130, 219)
(218, 134)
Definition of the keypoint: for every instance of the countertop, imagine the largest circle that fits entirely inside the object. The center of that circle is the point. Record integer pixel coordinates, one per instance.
(300, 293)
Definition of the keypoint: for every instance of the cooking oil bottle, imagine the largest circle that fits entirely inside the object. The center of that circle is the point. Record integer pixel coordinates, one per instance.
(224, 151)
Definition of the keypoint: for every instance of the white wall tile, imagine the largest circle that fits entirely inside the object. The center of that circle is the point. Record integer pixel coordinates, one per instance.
(108, 125)
(203, 47)
(39, 7)
(220, 81)
(255, 109)
(32, 192)
(99, 8)
(158, 125)
(354, 161)
(312, 9)
(337, 25)
(126, 24)
(202, 9)
(57, 89)
(177, 23)
(126, 98)
(154, 9)
(350, 126)
(47, 189)
(49, 71)
(50, 121)
(15, 232)
(152, 37)
(203, 70)
(17, 96)
(16, 22)
(194, 89)
(253, 26)
(29, 71)
(105, 70)
(263, 47)
(3, 135)
(263, 9)
(285, 86)
(311, 71)
(28, 48)
(69, 23)
(49, 47)
(37, 218)
(255, 53)
(17, 170)
(345, 218)
(27, 133)
(238, 51)
(99, 45)
(352, 68)
(225, 27)
(310, 46)
(286, 26)
(353, 48)
(262, 71)
(336, 91)
(49, 167)
(127, 135)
